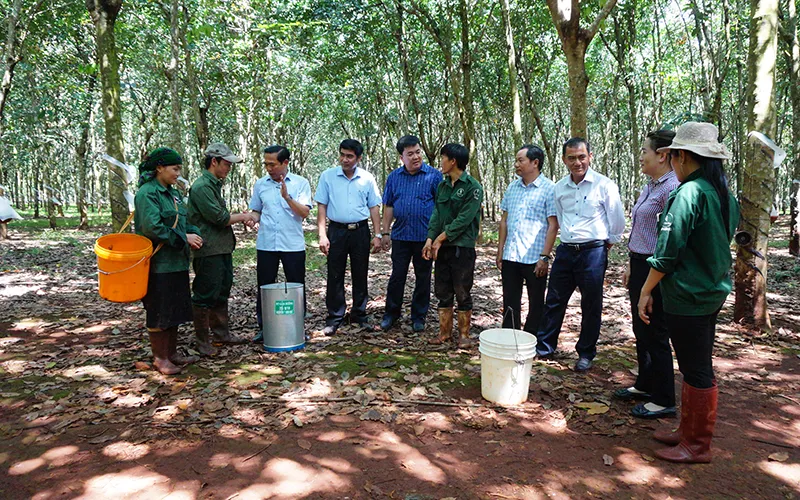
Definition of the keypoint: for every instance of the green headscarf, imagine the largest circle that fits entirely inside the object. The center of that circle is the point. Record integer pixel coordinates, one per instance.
(156, 158)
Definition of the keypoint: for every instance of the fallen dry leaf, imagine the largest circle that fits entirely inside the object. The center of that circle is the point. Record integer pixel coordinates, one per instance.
(780, 456)
(593, 408)
(303, 443)
(648, 458)
(608, 460)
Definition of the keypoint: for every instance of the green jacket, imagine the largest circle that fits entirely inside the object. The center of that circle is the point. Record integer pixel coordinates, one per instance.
(457, 211)
(155, 215)
(693, 249)
(207, 211)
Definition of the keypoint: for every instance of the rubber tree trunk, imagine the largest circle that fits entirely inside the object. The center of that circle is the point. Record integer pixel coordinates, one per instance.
(574, 41)
(104, 15)
(174, 80)
(516, 117)
(757, 190)
(793, 60)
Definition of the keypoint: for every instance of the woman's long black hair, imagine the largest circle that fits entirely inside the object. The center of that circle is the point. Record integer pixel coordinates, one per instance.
(714, 173)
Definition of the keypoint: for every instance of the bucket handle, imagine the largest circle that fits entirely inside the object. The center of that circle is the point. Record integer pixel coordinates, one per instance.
(127, 223)
(107, 273)
(517, 358)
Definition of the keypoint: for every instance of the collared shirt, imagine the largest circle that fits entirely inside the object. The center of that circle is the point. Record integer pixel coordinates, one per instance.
(590, 210)
(528, 208)
(412, 197)
(644, 228)
(208, 212)
(457, 211)
(693, 248)
(347, 200)
(280, 229)
(155, 216)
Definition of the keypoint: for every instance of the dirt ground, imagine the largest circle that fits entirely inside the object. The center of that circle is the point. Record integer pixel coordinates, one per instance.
(360, 414)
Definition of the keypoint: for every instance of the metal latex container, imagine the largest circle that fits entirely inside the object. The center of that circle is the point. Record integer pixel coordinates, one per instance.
(283, 317)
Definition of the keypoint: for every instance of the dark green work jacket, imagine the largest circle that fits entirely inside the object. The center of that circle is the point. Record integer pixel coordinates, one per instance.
(457, 211)
(156, 208)
(208, 211)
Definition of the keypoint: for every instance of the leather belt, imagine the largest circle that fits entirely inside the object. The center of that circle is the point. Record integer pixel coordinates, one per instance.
(351, 226)
(584, 246)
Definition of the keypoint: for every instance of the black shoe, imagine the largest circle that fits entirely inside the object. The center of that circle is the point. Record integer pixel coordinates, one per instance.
(329, 330)
(626, 395)
(642, 412)
(418, 327)
(583, 365)
(387, 322)
(545, 357)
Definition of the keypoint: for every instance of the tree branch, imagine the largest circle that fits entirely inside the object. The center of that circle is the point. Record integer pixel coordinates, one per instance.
(607, 8)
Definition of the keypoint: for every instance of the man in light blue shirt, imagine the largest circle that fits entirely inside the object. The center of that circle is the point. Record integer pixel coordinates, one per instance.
(348, 196)
(280, 202)
(528, 229)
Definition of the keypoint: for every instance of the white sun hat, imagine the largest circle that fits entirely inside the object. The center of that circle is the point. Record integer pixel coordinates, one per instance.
(700, 138)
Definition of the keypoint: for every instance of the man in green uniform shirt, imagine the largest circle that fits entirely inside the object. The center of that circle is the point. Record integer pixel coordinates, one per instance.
(452, 233)
(213, 263)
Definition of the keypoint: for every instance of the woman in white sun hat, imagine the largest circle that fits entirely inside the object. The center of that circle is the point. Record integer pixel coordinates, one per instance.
(692, 262)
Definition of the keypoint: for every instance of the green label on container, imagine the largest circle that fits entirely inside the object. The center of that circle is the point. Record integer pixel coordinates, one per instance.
(284, 307)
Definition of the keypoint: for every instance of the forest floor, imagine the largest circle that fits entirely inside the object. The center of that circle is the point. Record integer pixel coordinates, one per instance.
(82, 414)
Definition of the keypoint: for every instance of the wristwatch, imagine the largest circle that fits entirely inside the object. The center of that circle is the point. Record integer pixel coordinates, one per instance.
(545, 258)
(378, 235)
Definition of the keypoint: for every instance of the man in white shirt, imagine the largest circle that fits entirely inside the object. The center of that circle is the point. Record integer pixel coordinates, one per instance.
(280, 202)
(591, 219)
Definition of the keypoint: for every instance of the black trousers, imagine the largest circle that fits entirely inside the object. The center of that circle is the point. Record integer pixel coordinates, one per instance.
(514, 276)
(354, 244)
(455, 270)
(294, 269)
(213, 279)
(652, 341)
(693, 340)
(403, 253)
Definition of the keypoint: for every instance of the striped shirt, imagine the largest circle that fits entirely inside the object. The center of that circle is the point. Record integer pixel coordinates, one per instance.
(528, 208)
(644, 229)
(412, 198)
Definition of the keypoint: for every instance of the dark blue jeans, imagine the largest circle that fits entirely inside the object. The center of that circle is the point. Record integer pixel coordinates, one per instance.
(586, 270)
(403, 253)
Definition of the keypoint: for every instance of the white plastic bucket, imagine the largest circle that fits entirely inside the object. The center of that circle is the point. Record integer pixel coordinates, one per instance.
(506, 357)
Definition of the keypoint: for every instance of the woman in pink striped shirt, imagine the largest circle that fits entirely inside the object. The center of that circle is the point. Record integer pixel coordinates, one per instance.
(655, 383)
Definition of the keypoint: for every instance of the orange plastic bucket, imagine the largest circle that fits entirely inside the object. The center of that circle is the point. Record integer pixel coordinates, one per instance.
(123, 262)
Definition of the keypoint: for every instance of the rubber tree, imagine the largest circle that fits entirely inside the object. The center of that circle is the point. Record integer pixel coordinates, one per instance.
(574, 41)
(757, 189)
(792, 52)
(104, 16)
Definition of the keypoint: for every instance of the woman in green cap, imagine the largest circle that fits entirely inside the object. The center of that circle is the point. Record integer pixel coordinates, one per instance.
(161, 216)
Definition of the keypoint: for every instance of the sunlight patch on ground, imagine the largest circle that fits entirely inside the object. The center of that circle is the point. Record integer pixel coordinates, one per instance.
(787, 473)
(138, 482)
(289, 479)
(125, 451)
(91, 371)
(18, 290)
(640, 471)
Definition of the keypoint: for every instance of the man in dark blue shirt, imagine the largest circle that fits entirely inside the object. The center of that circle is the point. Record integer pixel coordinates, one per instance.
(408, 198)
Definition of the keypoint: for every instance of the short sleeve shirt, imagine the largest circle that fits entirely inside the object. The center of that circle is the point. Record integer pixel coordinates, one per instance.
(347, 200)
(528, 208)
(412, 198)
(280, 229)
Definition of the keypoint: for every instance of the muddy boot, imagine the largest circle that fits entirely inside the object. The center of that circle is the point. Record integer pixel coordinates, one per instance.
(461, 336)
(175, 356)
(159, 343)
(445, 326)
(219, 326)
(673, 436)
(202, 331)
(697, 428)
